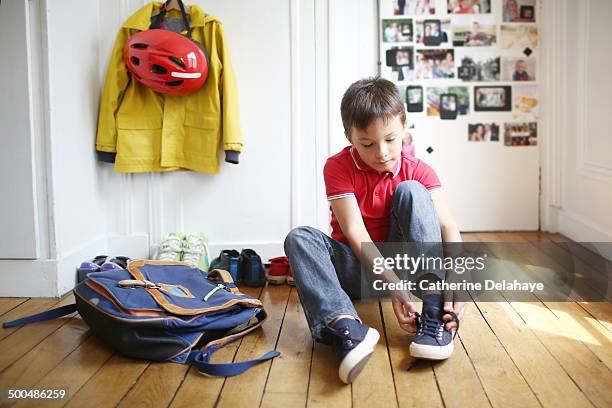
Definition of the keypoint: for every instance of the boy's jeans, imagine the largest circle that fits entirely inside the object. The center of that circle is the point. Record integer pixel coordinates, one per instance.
(327, 273)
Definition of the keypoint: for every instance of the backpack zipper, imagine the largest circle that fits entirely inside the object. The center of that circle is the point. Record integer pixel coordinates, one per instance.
(215, 289)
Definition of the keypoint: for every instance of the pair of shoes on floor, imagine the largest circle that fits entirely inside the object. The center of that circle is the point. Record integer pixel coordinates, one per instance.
(101, 263)
(191, 248)
(279, 271)
(354, 342)
(245, 267)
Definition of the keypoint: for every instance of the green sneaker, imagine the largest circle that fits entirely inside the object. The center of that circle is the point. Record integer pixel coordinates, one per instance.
(195, 250)
(171, 248)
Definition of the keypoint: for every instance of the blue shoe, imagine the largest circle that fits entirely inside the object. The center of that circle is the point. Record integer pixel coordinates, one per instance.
(119, 262)
(432, 341)
(88, 267)
(251, 269)
(227, 261)
(354, 343)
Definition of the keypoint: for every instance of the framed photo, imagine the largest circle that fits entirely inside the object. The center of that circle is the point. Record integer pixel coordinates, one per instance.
(483, 132)
(397, 30)
(409, 7)
(521, 134)
(434, 63)
(414, 98)
(448, 106)
(399, 57)
(397, 63)
(476, 68)
(527, 13)
(492, 98)
(469, 6)
(518, 69)
(525, 102)
(518, 36)
(425, 32)
(434, 98)
(475, 32)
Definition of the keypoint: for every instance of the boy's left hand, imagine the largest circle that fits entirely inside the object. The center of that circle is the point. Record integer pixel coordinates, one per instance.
(459, 309)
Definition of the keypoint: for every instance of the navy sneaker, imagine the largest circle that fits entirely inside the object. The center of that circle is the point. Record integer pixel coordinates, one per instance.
(227, 261)
(432, 341)
(251, 269)
(354, 343)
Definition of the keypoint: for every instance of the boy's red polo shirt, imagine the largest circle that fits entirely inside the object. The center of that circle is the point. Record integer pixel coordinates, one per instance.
(346, 174)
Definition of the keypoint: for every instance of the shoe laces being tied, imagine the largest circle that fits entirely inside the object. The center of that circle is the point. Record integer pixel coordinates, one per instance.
(169, 248)
(194, 247)
(434, 327)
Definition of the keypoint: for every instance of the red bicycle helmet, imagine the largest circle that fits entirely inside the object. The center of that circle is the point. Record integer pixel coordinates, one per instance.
(166, 62)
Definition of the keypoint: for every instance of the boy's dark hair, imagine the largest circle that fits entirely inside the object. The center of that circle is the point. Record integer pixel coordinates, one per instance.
(369, 99)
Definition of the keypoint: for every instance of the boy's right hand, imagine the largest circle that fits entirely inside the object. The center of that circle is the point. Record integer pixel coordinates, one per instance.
(406, 314)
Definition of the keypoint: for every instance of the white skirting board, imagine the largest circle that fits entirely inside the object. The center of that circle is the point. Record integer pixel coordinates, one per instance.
(55, 277)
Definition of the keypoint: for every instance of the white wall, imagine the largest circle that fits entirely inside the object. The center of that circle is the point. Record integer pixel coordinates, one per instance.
(578, 158)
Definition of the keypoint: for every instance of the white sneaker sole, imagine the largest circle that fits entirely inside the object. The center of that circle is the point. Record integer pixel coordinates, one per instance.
(275, 279)
(427, 352)
(356, 359)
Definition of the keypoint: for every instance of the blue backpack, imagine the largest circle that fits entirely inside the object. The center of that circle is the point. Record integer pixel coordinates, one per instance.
(165, 311)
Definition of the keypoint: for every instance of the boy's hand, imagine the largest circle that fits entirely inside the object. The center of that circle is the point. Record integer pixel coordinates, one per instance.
(459, 309)
(406, 314)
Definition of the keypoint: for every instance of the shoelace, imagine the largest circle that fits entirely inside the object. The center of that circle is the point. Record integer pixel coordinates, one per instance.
(433, 327)
(430, 326)
(193, 250)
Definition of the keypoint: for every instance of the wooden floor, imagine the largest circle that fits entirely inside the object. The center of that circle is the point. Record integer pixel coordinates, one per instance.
(524, 354)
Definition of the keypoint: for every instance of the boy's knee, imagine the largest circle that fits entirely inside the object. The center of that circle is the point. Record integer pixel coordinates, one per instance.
(410, 188)
(298, 236)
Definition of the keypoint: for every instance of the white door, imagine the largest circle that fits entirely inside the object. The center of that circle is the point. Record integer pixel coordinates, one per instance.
(18, 217)
(489, 186)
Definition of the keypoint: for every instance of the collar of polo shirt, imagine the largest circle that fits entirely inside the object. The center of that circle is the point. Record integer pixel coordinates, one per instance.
(362, 166)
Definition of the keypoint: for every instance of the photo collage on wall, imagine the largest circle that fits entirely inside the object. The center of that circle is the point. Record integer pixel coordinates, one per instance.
(462, 60)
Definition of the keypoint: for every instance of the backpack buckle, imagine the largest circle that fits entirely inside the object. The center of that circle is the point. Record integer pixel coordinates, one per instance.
(137, 283)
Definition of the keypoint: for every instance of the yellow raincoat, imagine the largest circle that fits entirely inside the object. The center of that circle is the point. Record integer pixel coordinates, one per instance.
(152, 132)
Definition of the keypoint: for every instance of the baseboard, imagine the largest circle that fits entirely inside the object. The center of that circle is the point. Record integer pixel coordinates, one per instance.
(28, 278)
(580, 230)
(55, 277)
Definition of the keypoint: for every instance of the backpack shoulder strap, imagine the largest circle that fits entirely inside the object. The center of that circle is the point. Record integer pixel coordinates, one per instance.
(39, 317)
(201, 360)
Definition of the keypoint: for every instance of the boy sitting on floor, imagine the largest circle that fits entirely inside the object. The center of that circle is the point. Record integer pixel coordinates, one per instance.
(377, 194)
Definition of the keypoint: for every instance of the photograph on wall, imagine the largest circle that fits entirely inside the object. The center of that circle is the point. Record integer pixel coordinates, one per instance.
(468, 6)
(408, 7)
(432, 32)
(492, 98)
(397, 64)
(518, 11)
(475, 32)
(434, 63)
(478, 68)
(483, 132)
(413, 96)
(518, 69)
(521, 134)
(433, 99)
(518, 37)
(525, 102)
(397, 30)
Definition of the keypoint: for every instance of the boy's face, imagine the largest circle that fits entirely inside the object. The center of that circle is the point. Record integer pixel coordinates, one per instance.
(380, 144)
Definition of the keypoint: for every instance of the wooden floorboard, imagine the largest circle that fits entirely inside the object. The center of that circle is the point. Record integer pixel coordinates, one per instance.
(527, 352)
